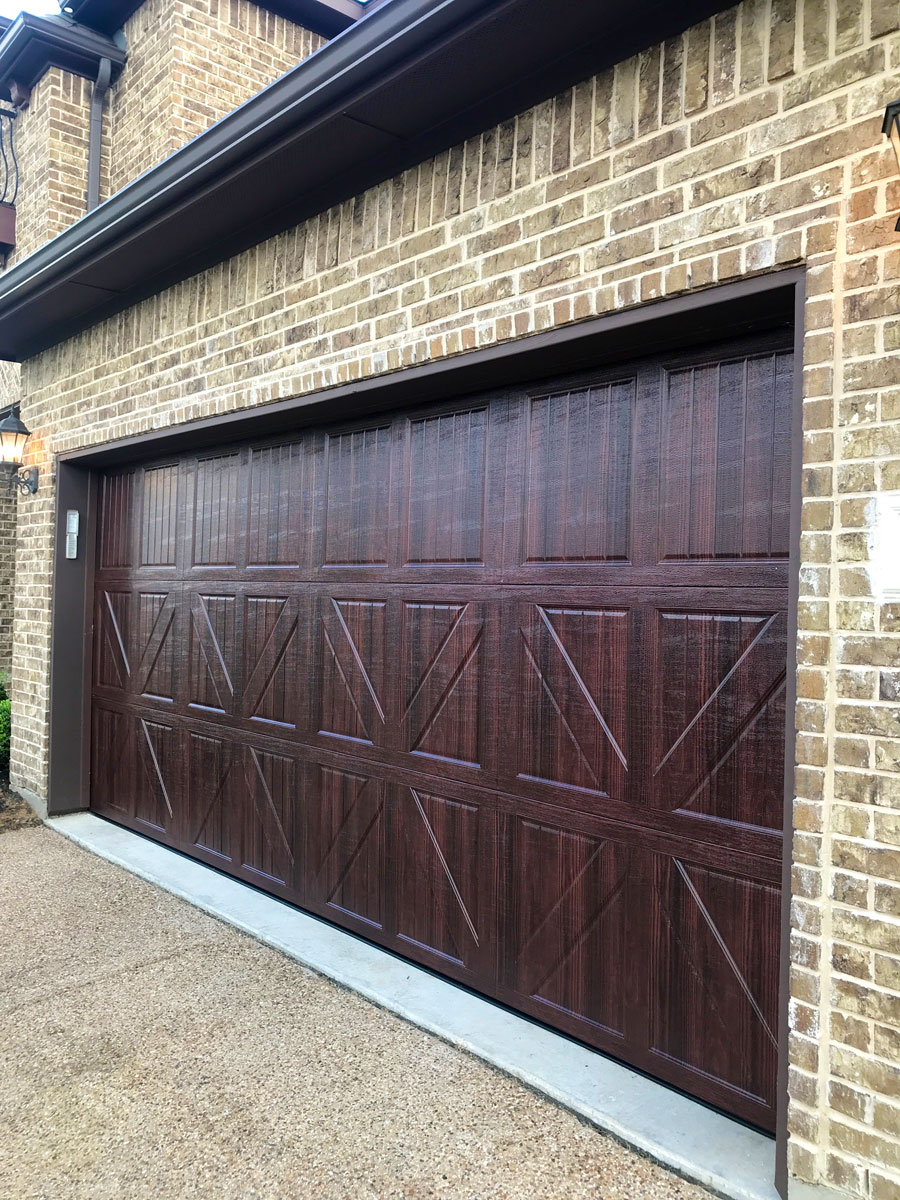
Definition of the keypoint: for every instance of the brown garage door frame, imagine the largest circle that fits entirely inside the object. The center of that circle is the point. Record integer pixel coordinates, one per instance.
(750, 305)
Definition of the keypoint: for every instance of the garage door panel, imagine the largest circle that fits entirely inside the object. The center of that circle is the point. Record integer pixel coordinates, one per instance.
(214, 787)
(157, 636)
(714, 980)
(571, 683)
(717, 714)
(213, 660)
(114, 639)
(270, 827)
(161, 516)
(447, 716)
(440, 852)
(278, 529)
(575, 494)
(112, 757)
(446, 490)
(116, 526)
(355, 683)
(725, 436)
(136, 761)
(346, 829)
(566, 946)
(157, 778)
(358, 499)
(272, 632)
(215, 526)
(137, 642)
(141, 520)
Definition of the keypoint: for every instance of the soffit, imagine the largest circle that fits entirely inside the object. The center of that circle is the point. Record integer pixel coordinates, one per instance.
(327, 17)
(395, 88)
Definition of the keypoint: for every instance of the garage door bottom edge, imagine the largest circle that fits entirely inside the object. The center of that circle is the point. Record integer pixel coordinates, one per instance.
(704, 1146)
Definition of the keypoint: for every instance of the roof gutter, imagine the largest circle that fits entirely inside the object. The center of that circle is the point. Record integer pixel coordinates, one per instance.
(373, 47)
(404, 83)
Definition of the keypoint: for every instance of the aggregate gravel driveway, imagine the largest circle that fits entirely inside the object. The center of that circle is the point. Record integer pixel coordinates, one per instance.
(149, 1050)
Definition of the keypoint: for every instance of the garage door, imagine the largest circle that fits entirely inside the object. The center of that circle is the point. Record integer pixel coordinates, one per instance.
(497, 684)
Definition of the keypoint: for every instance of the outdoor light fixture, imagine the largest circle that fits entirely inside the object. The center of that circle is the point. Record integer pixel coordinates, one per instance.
(14, 433)
(891, 129)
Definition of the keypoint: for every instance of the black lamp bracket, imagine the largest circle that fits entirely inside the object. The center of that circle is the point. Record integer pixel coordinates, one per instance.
(24, 480)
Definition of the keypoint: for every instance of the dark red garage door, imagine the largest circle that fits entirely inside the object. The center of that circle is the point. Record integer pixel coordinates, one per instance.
(498, 684)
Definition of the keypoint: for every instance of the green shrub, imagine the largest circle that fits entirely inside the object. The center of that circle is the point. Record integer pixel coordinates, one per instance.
(4, 694)
(5, 718)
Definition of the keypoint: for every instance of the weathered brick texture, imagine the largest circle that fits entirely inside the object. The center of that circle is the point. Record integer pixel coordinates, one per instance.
(7, 580)
(190, 62)
(51, 138)
(9, 394)
(750, 143)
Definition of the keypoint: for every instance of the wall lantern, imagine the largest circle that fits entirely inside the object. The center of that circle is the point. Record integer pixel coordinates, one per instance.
(891, 129)
(14, 433)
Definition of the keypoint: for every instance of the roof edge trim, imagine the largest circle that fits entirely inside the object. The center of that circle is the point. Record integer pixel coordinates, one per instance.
(325, 17)
(32, 44)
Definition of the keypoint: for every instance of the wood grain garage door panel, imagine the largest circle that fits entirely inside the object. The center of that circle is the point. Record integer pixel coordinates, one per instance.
(136, 764)
(278, 529)
(270, 677)
(440, 852)
(724, 486)
(443, 703)
(572, 689)
(714, 994)
(354, 639)
(446, 493)
(718, 715)
(347, 830)
(569, 952)
(578, 478)
(498, 684)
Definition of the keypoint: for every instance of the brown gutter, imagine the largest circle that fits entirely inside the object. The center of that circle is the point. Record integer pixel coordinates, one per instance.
(404, 83)
(101, 87)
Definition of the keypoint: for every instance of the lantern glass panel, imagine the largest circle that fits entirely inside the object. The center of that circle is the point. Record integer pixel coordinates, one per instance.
(13, 436)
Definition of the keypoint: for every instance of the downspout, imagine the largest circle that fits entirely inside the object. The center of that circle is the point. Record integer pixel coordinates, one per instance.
(98, 94)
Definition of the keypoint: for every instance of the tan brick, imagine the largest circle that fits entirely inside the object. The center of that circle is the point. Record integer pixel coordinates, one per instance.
(851, 752)
(549, 273)
(832, 147)
(732, 118)
(781, 39)
(797, 125)
(696, 86)
(646, 212)
(885, 17)
(833, 76)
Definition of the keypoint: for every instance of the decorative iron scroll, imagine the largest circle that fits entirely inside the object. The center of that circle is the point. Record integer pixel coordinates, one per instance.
(9, 166)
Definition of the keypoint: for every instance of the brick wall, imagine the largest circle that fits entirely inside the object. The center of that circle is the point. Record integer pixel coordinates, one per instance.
(9, 394)
(137, 121)
(752, 142)
(7, 580)
(189, 63)
(51, 138)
